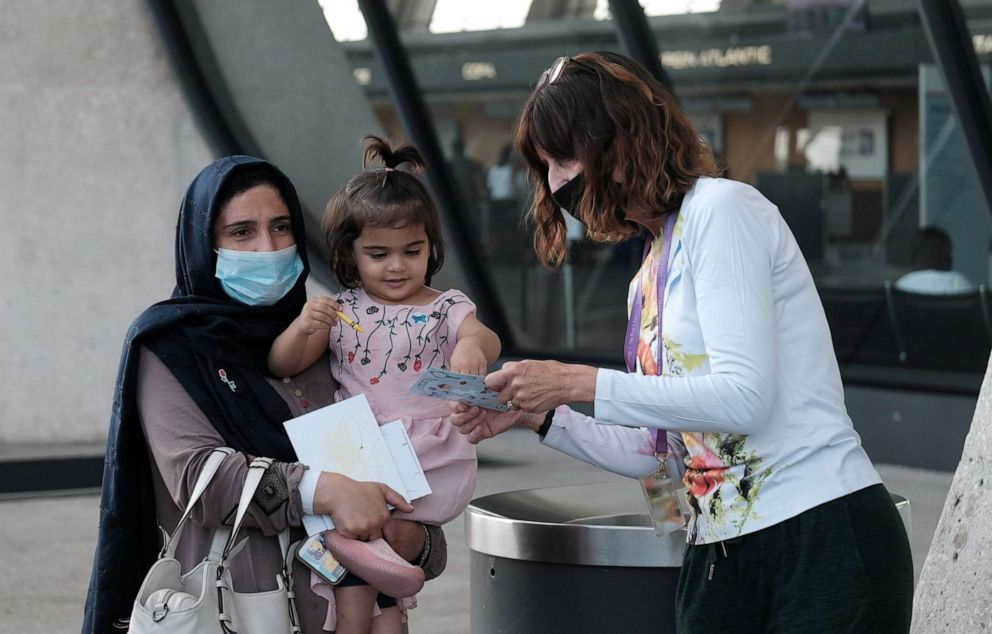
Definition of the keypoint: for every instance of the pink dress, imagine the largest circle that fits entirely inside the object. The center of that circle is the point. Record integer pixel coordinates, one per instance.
(398, 343)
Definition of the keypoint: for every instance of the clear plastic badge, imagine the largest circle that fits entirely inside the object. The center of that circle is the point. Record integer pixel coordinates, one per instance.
(667, 504)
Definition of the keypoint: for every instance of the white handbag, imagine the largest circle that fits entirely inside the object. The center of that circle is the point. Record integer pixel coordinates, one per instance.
(203, 600)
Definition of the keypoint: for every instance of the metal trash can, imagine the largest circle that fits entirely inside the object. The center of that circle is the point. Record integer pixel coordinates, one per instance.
(574, 559)
(570, 559)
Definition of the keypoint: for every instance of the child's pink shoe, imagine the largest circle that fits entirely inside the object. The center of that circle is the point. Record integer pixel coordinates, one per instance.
(377, 563)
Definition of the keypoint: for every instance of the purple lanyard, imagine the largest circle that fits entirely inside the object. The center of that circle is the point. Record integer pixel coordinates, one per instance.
(634, 321)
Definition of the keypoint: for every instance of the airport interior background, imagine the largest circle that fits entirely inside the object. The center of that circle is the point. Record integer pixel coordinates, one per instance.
(847, 114)
(835, 110)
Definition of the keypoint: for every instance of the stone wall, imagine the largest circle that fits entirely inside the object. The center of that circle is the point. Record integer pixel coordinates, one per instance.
(97, 146)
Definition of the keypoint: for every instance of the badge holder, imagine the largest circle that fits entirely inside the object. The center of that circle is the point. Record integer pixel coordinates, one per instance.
(667, 504)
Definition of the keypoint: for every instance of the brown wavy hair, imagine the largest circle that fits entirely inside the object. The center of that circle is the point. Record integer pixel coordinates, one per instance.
(639, 151)
(380, 197)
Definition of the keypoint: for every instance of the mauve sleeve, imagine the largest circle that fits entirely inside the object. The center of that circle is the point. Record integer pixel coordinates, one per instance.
(180, 438)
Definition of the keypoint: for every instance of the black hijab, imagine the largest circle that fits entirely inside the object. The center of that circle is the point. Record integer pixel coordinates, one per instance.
(199, 333)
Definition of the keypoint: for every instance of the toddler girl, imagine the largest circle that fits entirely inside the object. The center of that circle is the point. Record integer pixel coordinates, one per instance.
(383, 233)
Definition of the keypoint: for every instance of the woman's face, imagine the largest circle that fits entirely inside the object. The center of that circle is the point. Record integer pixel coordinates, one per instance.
(560, 172)
(257, 219)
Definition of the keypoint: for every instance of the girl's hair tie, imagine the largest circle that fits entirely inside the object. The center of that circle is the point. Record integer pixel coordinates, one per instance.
(389, 169)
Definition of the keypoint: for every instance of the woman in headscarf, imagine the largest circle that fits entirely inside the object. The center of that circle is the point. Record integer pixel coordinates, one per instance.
(193, 377)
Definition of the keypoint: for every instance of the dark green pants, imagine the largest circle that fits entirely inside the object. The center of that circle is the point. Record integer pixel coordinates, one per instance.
(843, 566)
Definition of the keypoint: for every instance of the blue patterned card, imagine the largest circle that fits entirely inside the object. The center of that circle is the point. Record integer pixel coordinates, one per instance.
(452, 386)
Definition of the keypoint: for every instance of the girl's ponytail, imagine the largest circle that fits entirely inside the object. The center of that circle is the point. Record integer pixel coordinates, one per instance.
(380, 197)
(378, 149)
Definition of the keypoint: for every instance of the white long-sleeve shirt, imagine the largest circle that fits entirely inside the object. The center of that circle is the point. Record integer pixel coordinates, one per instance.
(749, 375)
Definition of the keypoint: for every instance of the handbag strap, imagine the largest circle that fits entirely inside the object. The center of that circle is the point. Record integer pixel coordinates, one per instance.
(256, 470)
(289, 554)
(220, 540)
(207, 473)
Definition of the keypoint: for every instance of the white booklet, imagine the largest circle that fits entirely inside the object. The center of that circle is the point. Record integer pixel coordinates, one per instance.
(345, 438)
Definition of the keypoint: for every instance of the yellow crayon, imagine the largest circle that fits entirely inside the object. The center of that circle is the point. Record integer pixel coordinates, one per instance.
(348, 321)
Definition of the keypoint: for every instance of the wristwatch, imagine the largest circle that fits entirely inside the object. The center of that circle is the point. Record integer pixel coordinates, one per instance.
(542, 431)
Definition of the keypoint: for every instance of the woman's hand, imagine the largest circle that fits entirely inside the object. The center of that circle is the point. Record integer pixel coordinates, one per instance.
(537, 386)
(357, 508)
(478, 423)
(406, 537)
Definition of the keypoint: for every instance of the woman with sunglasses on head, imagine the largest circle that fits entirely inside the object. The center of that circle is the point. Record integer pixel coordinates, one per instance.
(728, 352)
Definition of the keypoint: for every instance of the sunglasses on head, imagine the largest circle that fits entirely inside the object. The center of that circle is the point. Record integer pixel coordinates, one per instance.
(554, 71)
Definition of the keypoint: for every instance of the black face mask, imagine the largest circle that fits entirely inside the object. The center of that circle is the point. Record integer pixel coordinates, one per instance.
(568, 195)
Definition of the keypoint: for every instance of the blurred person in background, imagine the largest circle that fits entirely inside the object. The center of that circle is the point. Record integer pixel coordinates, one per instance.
(932, 274)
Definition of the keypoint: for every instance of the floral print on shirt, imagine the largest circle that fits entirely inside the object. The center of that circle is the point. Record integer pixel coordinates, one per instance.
(718, 465)
(723, 478)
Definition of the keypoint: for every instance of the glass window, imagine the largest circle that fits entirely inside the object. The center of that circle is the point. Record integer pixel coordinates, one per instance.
(345, 20)
(833, 109)
(455, 15)
(663, 7)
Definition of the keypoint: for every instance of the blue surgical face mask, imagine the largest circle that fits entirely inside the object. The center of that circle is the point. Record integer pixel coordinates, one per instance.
(258, 278)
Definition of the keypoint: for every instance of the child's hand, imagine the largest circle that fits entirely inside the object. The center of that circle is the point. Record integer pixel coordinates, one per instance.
(319, 313)
(479, 424)
(468, 358)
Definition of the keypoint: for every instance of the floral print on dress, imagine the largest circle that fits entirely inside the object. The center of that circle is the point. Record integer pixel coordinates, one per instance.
(396, 339)
(398, 343)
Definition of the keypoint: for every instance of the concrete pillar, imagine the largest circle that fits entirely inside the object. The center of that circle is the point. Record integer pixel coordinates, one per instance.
(954, 593)
(97, 146)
